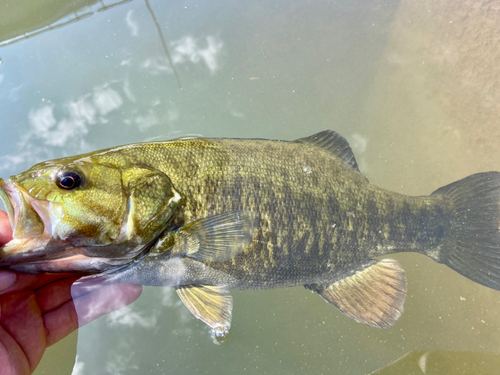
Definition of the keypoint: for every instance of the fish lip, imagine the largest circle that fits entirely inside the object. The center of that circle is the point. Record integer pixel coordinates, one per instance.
(11, 200)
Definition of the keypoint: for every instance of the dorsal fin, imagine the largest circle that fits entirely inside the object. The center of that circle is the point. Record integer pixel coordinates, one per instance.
(334, 143)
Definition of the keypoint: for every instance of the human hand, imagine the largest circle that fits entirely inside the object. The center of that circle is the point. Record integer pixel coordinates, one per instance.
(36, 311)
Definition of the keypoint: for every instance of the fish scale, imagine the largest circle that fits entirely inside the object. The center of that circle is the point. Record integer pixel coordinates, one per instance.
(296, 240)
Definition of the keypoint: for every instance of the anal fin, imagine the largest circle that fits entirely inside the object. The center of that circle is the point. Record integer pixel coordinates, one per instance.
(211, 304)
(374, 295)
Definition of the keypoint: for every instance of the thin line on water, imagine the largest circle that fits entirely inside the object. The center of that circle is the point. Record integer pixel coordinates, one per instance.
(160, 33)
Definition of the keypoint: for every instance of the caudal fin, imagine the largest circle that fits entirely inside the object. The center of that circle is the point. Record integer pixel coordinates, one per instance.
(473, 245)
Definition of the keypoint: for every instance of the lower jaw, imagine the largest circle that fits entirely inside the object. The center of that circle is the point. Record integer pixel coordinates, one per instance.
(55, 258)
(57, 266)
(78, 263)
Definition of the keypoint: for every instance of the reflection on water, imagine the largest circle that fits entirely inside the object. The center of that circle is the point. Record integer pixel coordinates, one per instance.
(413, 89)
(440, 362)
(160, 34)
(187, 50)
(46, 16)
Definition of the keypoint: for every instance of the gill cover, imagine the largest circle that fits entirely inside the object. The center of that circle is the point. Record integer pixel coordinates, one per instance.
(152, 199)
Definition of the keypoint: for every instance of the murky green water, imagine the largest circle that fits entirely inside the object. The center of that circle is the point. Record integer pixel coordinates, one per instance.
(395, 79)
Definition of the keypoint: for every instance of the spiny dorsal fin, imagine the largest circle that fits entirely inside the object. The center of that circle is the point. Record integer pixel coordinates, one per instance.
(374, 296)
(334, 143)
(211, 304)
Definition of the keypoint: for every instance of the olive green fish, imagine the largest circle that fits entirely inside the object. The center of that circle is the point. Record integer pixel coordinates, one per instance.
(209, 215)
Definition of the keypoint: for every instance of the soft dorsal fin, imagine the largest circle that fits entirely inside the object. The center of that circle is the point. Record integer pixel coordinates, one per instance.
(374, 295)
(334, 143)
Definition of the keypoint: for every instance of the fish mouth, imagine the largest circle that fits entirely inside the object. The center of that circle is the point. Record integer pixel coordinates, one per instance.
(9, 208)
(32, 248)
(29, 237)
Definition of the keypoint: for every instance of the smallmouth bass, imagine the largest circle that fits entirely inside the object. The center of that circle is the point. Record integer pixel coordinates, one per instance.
(208, 215)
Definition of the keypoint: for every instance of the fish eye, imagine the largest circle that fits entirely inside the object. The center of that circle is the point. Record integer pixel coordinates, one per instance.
(68, 180)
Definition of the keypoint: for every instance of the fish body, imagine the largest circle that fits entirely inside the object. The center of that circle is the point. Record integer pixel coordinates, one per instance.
(209, 215)
(319, 217)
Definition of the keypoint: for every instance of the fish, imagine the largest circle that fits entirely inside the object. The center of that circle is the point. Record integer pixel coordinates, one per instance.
(208, 215)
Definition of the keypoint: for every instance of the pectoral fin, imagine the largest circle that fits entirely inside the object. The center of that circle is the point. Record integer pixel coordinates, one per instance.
(217, 238)
(211, 304)
(374, 296)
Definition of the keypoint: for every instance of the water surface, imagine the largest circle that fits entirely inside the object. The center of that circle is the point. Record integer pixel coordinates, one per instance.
(413, 89)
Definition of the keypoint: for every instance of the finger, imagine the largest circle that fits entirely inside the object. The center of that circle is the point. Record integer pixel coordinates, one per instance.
(89, 284)
(21, 317)
(73, 314)
(12, 357)
(7, 279)
(60, 322)
(23, 281)
(48, 278)
(34, 282)
(54, 294)
(5, 229)
(105, 300)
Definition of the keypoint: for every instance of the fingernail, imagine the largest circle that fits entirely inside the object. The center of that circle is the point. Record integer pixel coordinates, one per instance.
(7, 279)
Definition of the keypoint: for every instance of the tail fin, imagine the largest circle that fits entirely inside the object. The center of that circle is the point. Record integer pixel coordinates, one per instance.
(473, 246)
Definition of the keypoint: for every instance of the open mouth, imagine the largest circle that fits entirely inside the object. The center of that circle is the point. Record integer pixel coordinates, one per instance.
(28, 217)
(29, 242)
(4, 197)
(32, 249)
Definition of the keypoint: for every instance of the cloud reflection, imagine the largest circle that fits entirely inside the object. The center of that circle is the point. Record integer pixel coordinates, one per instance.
(171, 300)
(78, 368)
(82, 110)
(130, 318)
(44, 127)
(359, 144)
(121, 363)
(14, 93)
(128, 92)
(52, 128)
(146, 122)
(131, 24)
(42, 119)
(157, 65)
(107, 100)
(49, 128)
(188, 49)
